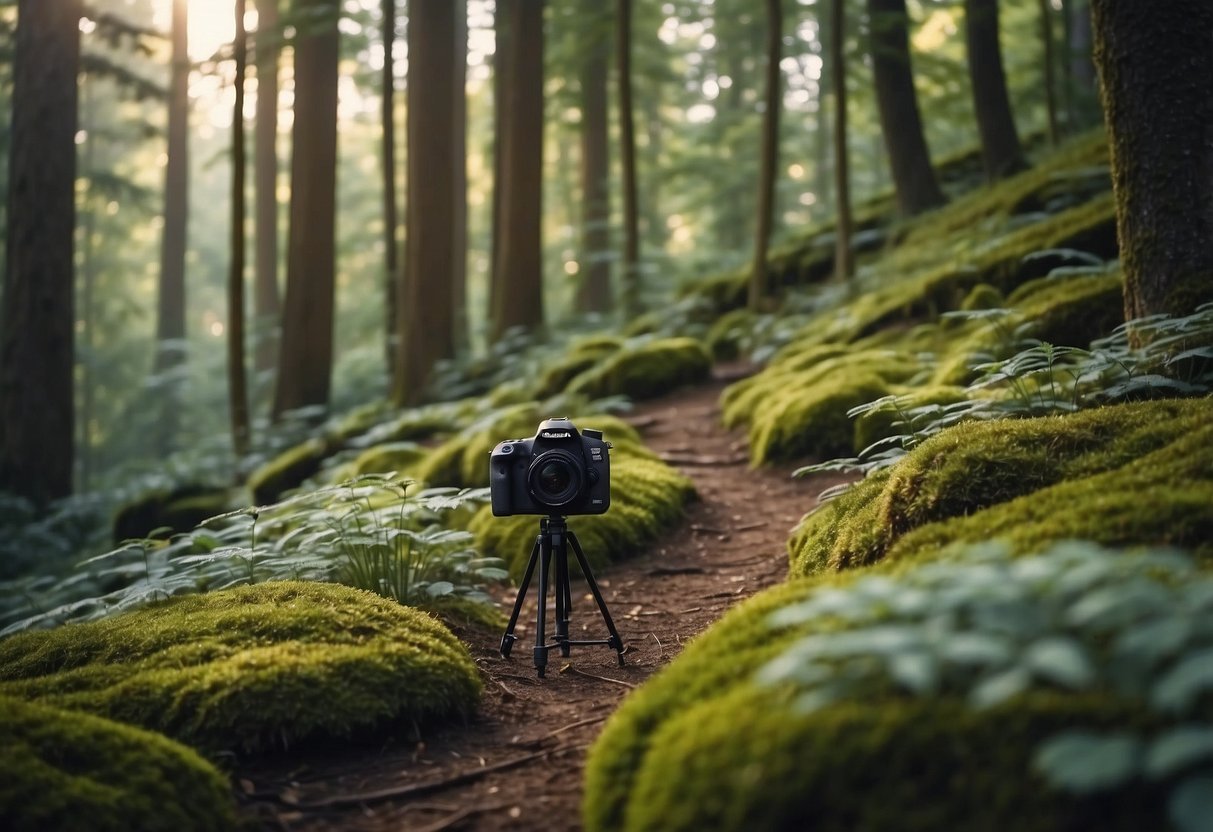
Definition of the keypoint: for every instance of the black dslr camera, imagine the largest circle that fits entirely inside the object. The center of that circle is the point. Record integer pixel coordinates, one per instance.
(558, 471)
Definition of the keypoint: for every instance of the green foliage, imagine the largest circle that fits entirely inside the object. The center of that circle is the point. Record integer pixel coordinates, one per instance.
(72, 771)
(1036, 480)
(647, 497)
(251, 667)
(581, 356)
(373, 532)
(160, 513)
(286, 471)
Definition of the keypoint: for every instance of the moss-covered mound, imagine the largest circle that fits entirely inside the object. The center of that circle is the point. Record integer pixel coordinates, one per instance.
(1133, 473)
(645, 370)
(386, 458)
(647, 497)
(65, 770)
(287, 470)
(166, 512)
(581, 356)
(251, 667)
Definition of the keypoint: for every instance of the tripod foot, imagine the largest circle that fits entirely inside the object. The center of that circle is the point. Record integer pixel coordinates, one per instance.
(507, 644)
(617, 643)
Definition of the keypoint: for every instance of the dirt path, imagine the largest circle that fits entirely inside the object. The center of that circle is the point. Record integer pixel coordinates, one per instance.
(519, 763)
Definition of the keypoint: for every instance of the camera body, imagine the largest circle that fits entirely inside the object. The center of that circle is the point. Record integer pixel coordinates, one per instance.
(559, 470)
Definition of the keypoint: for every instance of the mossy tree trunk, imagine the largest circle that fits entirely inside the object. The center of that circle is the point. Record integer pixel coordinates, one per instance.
(1155, 64)
(37, 318)
(760, 289)
(518, 272)
(237, 382)
(267, 304)
(1000, 149)
(914, 179)
(844, 257)
(306, 356)
(594, 286)
(426, 306)
(630, 275)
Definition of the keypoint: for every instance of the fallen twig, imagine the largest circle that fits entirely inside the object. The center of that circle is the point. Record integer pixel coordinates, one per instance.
(571, 669)
(460, 816)
(578, 724)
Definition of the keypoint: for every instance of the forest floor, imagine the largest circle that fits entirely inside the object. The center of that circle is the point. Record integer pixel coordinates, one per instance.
(519, 762)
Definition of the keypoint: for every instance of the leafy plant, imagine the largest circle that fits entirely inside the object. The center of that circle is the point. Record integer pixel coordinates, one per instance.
(988, 628)
(372, 532)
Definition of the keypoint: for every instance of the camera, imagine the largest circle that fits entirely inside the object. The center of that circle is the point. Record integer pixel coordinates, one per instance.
(559, 470)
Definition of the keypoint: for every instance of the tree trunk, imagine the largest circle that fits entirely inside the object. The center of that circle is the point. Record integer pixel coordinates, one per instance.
(1082, 93)
(594, 288)
(501, 116)
(459, 180)
(267, 307)
(914, 179)
(844, 258)
(425, 310)
(1155, 66)
(170, 318)
(237, 383)
(760, 284)
(1000, 150)
(391, 219)
(306, 358)
(1050, 75)
(519, 270)
(630, 275)
(37, 318)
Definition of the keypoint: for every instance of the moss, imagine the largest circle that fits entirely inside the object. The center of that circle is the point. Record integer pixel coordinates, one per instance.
(178, 510)
(645, 370)
(797, 412)
(251, 667)
(726, 336)
(380, 459)
(581, 356)
(1073, 310)
(70, 771)
(879, 424)
(747, 761)
(1108, 455)
(287, 470)
(982, 296)
(647, 497)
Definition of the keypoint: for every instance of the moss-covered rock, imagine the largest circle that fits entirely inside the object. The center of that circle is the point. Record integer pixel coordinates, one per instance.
(400, 457)
(167, 512)
(581, 356)
(1071, 310)
(647, 497)
(895, 420)
(1121, 474)
(730, 331)
(287, 470)
(251, 667)
(982, 296)
(645, 370)
(65, 770)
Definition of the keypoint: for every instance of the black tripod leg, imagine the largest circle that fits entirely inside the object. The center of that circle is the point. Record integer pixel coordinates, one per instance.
(561, 556)
(616, 641)
(507, 640)
(545, 560)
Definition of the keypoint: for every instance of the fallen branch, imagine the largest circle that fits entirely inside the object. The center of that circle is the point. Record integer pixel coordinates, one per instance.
(578, 724)
(702, 459)
(571, 669)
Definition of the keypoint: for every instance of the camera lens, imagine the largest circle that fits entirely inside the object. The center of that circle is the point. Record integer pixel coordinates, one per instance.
(555, 479)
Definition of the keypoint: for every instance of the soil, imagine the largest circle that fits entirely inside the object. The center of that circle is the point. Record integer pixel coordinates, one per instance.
(518, 764)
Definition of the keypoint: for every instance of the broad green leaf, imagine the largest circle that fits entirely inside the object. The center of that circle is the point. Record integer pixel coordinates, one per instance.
(1084, 762)
(1178, 748)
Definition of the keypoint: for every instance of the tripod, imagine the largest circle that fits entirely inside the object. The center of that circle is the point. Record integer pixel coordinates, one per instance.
(550, 546)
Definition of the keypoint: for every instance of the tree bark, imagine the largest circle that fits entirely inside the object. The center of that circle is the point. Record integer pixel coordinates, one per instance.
(594, 287)
(1082, 93)
(760, 284)
(1050, 74)
(426, 306)
(460, 331)
(914, 180)
(267, 305)
(391, 218)
(519, 270)
(1000, 150)
(170, 318)
(237, 381)
(501, 115)
(37, 318)
(844, 257)
(306, 357)
(1155, 66)
(630, 275)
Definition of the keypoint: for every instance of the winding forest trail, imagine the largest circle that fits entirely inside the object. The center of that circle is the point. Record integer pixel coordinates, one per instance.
(518, 763)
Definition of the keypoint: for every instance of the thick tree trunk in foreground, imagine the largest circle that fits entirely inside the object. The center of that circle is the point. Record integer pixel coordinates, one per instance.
(760, 290)
(518, 295)
(37, 318)
(1155, 64)
(594, 286)
(306, 358)
(900, 122)
(1000, 150)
